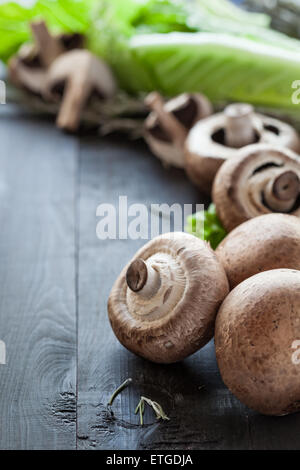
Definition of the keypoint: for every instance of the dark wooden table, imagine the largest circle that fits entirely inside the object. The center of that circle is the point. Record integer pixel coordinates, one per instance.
(63, 361)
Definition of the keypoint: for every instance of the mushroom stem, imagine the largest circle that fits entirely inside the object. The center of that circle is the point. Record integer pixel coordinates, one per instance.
(73, 101)
(239, 129)
(282, 191)
(286, 186)
(142, 279)
(49, 46)
(172, 126)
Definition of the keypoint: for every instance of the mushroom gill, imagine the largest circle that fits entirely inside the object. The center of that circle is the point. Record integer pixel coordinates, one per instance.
(260, 180)
(220, 137)
(164, 303)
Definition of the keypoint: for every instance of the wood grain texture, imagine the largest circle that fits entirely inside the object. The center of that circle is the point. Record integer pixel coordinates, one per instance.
(54, 269)
(37, 272)
(208, 418)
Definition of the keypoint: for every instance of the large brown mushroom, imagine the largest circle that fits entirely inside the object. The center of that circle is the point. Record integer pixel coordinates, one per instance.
(255, 333)
(261, 179)
(77, 75)
(28, 68)
(267, 242)
(218, 138)
(163, 305)
(168, 124)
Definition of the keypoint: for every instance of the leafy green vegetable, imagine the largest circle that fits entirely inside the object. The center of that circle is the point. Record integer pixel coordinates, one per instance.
(60, 15)
(208, 46)
(173, 46)
(210, 226)
(115, 22)
(217, 65)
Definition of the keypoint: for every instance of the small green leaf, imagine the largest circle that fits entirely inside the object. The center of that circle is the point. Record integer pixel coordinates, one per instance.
(212, 231)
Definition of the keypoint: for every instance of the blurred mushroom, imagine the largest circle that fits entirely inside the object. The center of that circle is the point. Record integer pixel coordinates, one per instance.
(28, 68)
(73, 78)
(49, 46)
(260, 179)
(270, 241)
(256, 327)
(218, 138)
(163, 305)
(167, 126)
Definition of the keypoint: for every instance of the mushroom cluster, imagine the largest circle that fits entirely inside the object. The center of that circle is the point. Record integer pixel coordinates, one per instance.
(59, 70)
(164, 303)
(28, 69)
(184, 133)
(260, 319)
(218, 138)
(170, 299)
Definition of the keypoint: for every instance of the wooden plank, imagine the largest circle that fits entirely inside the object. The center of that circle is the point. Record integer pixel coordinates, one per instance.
(208, 418)
(37, 276)
(281, 433)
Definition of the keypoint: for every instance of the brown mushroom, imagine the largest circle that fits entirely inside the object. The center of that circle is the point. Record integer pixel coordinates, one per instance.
(266, 242)
(163, 305)
(29, 67)
(167, 126)
(256, 328)
(259, 180)
(77, 75)
(218, 138)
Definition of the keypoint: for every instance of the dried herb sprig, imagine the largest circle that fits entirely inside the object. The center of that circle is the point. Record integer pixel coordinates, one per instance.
(157, 408)
(119, 390)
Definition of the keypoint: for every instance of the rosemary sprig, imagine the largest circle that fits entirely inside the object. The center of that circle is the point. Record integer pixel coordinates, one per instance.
(119, 390)
(159, 412)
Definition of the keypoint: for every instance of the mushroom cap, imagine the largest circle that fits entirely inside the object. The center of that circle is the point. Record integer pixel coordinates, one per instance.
(179, 319)
(96, 73)
(205, 148)
(31, 79)
(280, 133)
(266, 242)
(244, 186)
(27, 68)
(255, 330)
(187, 109)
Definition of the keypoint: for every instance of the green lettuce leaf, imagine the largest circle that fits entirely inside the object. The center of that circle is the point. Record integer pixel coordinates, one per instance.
(60, 15)
(173, 46)
(207, 226)
(208, 46)
(218, 65)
